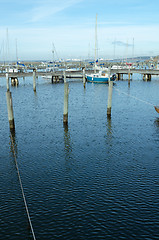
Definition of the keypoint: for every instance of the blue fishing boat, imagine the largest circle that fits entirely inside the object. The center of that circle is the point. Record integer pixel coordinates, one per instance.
(100, 77)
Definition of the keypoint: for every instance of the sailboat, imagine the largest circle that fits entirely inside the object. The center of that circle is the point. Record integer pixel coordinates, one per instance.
(103, 75)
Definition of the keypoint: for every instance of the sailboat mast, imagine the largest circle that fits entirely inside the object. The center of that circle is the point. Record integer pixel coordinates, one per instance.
(16, 51)
(53, 56)
(95, 43)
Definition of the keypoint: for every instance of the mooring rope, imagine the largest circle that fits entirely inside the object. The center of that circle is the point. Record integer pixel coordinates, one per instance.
(26, 207)
(133, 97)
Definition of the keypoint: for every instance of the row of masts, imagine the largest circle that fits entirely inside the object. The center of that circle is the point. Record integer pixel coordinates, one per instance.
(6, 56)
(96, 47)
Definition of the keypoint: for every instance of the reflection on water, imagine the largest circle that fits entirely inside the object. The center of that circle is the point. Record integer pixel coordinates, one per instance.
(35, 93)
(67, 142)
(109, 127)
(96, 179)
(156, 122)
(13, 143)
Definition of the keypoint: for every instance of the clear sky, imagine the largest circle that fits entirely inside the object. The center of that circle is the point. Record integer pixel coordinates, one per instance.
(30, 28)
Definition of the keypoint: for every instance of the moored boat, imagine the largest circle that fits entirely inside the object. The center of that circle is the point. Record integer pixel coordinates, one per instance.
(100, 77)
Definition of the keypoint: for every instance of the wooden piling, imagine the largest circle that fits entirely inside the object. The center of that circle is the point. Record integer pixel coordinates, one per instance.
(34, 80)
(148, 77)
(7, 80)
(64, 76)
(110, 89)
(65, 112)
(118, 76)
(52, 79)
(129, 77)
(10, 110)
(84, 78)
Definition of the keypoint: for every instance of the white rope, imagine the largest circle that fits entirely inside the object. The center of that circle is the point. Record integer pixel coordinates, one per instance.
(26, 207)
(133, 97)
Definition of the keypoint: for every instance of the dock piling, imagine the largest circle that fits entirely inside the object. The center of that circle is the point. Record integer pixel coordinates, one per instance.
(129, 76)
(84, 78)
(34, 80)
(64, 76)
(10, 110)
(110, 89)
(65, 112)
(7, 80)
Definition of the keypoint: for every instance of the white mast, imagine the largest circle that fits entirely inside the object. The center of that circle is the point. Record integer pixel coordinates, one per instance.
(7, 47)
(16, 51)
(53, 56)
(133, 49)
(95, 44)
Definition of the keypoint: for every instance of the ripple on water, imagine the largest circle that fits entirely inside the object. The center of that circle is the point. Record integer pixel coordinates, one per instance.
(98, 179)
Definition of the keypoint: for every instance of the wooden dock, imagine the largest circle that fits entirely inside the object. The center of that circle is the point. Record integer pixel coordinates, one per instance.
(59, 75)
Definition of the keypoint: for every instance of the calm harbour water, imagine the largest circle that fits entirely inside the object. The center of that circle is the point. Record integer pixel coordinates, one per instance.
(98, 179)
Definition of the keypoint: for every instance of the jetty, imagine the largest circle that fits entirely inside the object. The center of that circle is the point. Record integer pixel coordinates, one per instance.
(56, 71)
(59, 75)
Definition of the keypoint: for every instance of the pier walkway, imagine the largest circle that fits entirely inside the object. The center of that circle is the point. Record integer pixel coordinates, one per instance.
(59, 75)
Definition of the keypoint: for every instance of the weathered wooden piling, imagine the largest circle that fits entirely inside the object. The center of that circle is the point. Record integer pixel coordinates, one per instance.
(14, 81)
(129, 77)
(147, 77)
(7, 80)
(65, 112)
(84, 78)
(64, 76)
(118, 76)
(10, 110)
(110, 89)
(34, 80)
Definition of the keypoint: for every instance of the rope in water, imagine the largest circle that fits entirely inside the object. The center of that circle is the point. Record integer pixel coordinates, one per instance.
(26, 207)
(133, 97)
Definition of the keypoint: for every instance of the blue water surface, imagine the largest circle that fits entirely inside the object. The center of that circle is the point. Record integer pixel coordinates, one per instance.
(96, 179)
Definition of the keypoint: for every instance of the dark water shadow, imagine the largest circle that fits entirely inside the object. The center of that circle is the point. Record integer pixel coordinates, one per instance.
(109, 127)
(109, 133)
(13, 143)
(67, 142)
(156, 125)
(156, 122)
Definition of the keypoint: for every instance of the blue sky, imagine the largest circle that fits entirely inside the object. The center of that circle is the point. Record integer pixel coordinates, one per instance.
(34, 26)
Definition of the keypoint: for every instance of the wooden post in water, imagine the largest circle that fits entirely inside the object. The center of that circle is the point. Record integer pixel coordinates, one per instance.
(65, 112)
(7, 79)
(110, 89)
(34, 80)
(118, 76)
(64, 76)
(149, 77)
(129, 76)
(10, 110)
(84, 78)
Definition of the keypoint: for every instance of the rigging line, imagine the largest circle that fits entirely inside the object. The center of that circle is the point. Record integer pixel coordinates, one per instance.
(26, 207)
(133, 97)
